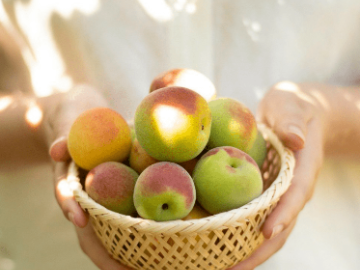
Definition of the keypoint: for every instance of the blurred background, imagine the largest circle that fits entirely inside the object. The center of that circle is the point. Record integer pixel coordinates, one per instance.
(34, 234)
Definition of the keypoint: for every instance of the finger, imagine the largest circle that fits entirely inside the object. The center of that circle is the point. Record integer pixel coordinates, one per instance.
(289, 120)
(93, 248)
(265, 251)
(308, 163)
(58, 150)
(65, 198)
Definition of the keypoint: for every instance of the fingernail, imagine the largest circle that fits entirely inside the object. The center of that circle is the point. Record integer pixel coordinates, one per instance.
(297, 131)
(276, 230)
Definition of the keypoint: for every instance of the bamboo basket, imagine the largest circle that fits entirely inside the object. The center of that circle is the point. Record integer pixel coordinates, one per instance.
(214, 242)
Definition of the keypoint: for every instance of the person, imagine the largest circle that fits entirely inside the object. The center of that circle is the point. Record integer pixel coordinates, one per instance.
(271, 56)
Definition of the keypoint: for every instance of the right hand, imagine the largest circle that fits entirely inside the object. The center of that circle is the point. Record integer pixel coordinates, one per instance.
(59, 116)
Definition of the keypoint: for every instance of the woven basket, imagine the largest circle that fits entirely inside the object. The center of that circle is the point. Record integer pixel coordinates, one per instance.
(215, 242)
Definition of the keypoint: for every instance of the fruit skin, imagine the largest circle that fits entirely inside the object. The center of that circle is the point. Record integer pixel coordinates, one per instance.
(258, 151)
(226, 178)
(111, 184)
(187, 78)
(99, 135)
(233, 124)
(164, 191)
(196, 213)
(173, 124)
(139, 160)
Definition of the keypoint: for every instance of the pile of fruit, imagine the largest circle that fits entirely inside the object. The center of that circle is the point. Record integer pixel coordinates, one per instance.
(188, 155)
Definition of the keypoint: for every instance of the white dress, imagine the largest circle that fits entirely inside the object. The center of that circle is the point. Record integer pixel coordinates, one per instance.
(243, 46)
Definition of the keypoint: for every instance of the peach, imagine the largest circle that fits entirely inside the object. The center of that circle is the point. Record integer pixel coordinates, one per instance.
(187, 78)
(139, 160)
(259, 151)
(164, 191)
(196, 213)
(111, 184)
(173, 124)
(233, 124)
(226, 178)
(99, 135)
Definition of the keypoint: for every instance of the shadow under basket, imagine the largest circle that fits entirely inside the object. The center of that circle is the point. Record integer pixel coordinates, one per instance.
(214, 242)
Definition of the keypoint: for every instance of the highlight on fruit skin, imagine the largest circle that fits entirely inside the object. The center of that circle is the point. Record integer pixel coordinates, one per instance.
(164, 191)
(111, 184)
(99, 135)
(233, 124)
(173, 124)
(226, 178)
(188, 78)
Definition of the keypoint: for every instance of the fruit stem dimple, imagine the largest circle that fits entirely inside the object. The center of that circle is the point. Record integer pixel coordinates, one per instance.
(165, 206)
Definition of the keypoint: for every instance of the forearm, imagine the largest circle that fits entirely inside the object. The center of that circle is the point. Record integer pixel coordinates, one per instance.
(341, 108)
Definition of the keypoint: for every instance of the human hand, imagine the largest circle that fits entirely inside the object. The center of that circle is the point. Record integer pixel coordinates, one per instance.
(59, 116)
(297, 116)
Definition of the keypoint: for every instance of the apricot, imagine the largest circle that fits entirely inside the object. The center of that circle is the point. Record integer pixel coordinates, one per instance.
(226, 178)
(233, 124)
(139, 160)
(99, 135)
(173, 124)
(164, 191)
(259, 151)
(187, 78)
(111, 184)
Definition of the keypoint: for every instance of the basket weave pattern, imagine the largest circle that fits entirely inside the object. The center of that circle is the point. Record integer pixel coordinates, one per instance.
(215, 242)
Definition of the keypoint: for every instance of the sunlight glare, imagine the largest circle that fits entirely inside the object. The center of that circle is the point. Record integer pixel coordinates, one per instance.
(158, 10)
(320, 98)
(234, 126)
(167, 117)
(293, 88)
(5, 102)
(34, 115)
(191, 8)
(198, 82)
(64, 188)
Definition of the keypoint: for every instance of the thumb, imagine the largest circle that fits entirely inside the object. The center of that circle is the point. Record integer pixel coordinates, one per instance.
(292, 131)
(289, 122)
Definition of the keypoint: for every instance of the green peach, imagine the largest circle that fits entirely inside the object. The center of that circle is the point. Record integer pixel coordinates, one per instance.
(233, 124)
(164, 191)
(187, 78)
(173, 124)
(111, 184)
(226, 178)
(258, 151)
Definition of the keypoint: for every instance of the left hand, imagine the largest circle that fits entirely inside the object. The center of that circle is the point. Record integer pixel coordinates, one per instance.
(297, 117)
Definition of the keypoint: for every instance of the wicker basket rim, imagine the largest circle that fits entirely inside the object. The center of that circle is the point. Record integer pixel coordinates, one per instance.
(218, 221)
